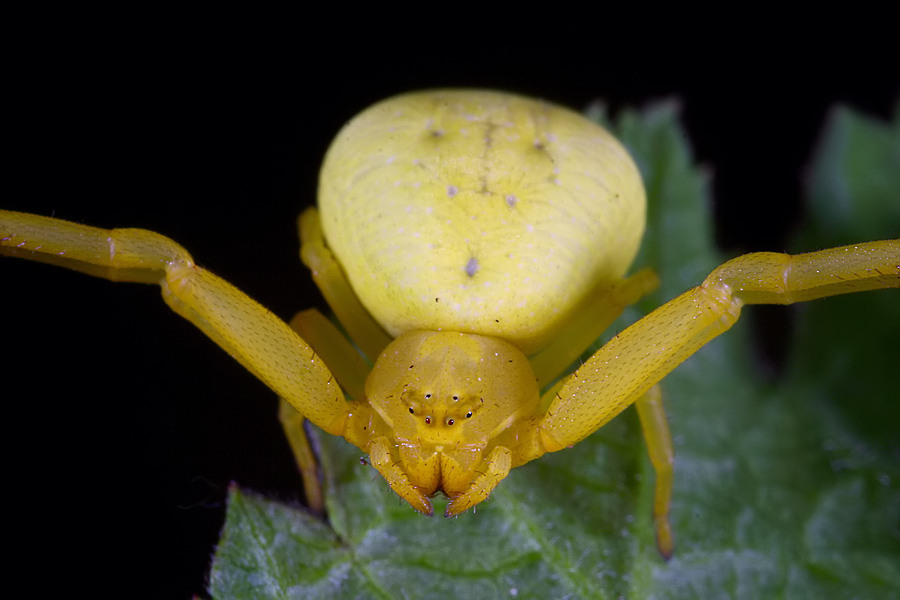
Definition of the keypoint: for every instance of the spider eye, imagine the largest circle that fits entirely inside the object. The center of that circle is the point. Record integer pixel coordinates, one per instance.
(428, 420)
(450, 421)
(411, 411)
(469, 415)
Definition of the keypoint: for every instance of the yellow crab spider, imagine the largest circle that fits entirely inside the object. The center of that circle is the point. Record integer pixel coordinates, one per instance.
(472, 245)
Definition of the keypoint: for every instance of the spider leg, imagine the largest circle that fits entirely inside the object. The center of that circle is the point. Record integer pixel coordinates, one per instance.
(242, 327)
(349, 369)
(639, 357)
(342, 358)
(630, 364)
(662, 456)
(330, 278)
(292, 422)
(589, 323)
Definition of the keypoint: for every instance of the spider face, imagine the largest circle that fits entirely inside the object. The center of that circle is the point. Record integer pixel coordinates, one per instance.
(443, 390)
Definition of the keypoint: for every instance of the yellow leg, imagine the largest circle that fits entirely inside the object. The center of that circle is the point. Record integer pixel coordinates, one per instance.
(588, 325)
(292, 423)
(254, 336)
(345, 362)
(332, 282)
(635, 360)
(662, 457)
(772, 278)
(349, 369)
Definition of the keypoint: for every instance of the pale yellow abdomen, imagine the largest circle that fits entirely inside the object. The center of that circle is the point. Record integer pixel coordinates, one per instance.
(479, 212)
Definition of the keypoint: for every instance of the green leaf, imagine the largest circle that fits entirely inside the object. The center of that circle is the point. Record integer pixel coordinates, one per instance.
(854, 184)
(785, 486)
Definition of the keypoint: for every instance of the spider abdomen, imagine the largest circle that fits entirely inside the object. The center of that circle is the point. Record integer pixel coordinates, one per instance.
(480, 212)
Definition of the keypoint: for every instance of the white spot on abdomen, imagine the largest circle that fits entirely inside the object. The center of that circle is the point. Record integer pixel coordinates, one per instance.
(472, 267)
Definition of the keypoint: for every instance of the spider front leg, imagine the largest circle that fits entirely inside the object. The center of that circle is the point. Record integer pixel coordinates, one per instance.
(256, 338)
(624, 370)
(350, 371)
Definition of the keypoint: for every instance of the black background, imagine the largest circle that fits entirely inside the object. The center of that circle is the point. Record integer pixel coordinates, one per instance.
(127, 425)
